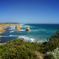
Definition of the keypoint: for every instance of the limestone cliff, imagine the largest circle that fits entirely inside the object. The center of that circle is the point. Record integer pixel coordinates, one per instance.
(1, 28)
(18, 27)
(4, 25)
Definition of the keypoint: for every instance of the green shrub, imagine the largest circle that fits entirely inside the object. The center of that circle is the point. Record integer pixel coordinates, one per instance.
(54, 37)
(18, 49)
(53, 55)
(57, 32)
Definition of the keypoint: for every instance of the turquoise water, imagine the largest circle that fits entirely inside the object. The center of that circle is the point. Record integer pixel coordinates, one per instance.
(37, 32)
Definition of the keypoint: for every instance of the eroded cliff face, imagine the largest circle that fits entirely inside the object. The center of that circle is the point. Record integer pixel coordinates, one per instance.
(27, 28)
(3, 26)
(18, 27)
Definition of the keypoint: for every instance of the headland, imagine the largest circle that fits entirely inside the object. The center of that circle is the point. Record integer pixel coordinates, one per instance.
(4, 25)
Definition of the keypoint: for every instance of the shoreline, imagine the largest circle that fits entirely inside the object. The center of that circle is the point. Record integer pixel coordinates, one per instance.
(4, 25)
(38, 42)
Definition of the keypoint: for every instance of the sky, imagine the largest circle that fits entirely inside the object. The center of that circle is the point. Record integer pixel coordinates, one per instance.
(29, 11)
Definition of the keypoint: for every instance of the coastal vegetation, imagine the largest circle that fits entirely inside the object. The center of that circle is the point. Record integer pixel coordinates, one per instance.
(19, 49)
(53, 55)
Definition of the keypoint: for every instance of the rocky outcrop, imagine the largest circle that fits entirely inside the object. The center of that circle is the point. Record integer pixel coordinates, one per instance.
(27, 28)
(1, 28)
(18, 27)
(4, 25)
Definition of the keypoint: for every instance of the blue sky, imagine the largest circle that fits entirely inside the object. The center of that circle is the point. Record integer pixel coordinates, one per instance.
(29, 11)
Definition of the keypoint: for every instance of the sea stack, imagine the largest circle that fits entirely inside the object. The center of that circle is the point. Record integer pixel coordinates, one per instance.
(27, 28)
(18, 27)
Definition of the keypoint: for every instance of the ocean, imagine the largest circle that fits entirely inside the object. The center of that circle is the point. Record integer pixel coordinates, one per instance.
(37, 32)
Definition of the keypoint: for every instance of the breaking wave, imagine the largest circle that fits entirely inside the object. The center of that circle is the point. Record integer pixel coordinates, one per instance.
(26, 38)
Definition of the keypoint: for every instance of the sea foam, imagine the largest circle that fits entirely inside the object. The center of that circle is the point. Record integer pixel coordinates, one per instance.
(21, 30)
(11, 31)
(26, 38)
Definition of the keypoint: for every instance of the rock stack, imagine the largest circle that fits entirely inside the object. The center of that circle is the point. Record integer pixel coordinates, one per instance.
(27, 28)
(18, 27)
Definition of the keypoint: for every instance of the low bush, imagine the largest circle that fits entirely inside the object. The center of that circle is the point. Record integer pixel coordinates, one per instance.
(18, 49)
(53, 55)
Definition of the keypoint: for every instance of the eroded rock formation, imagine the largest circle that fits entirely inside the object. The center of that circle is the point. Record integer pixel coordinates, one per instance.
(27, 28)
(4, 25)
(18, 27)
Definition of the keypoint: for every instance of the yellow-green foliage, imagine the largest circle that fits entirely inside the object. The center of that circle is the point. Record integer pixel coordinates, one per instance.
(54, 37)
(18, 49)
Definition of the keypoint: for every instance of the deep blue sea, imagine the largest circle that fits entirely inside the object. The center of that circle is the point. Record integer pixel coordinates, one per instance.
(37, 32)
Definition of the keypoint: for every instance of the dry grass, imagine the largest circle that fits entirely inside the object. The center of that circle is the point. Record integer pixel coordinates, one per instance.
(39, 55)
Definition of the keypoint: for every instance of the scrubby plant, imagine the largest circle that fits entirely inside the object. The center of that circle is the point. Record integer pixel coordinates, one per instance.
(49, 46)
(54, 37)
(57, 32)
(18, 49)
(53, 55)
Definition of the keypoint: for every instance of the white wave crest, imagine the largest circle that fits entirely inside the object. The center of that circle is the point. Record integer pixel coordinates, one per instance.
(32, 39)
(21, 30)
(33, 30)
(4, 36)
(0, 36)
(11, 31)
(26, 38)
(0, 32)
(10, 36)
(13, 35)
